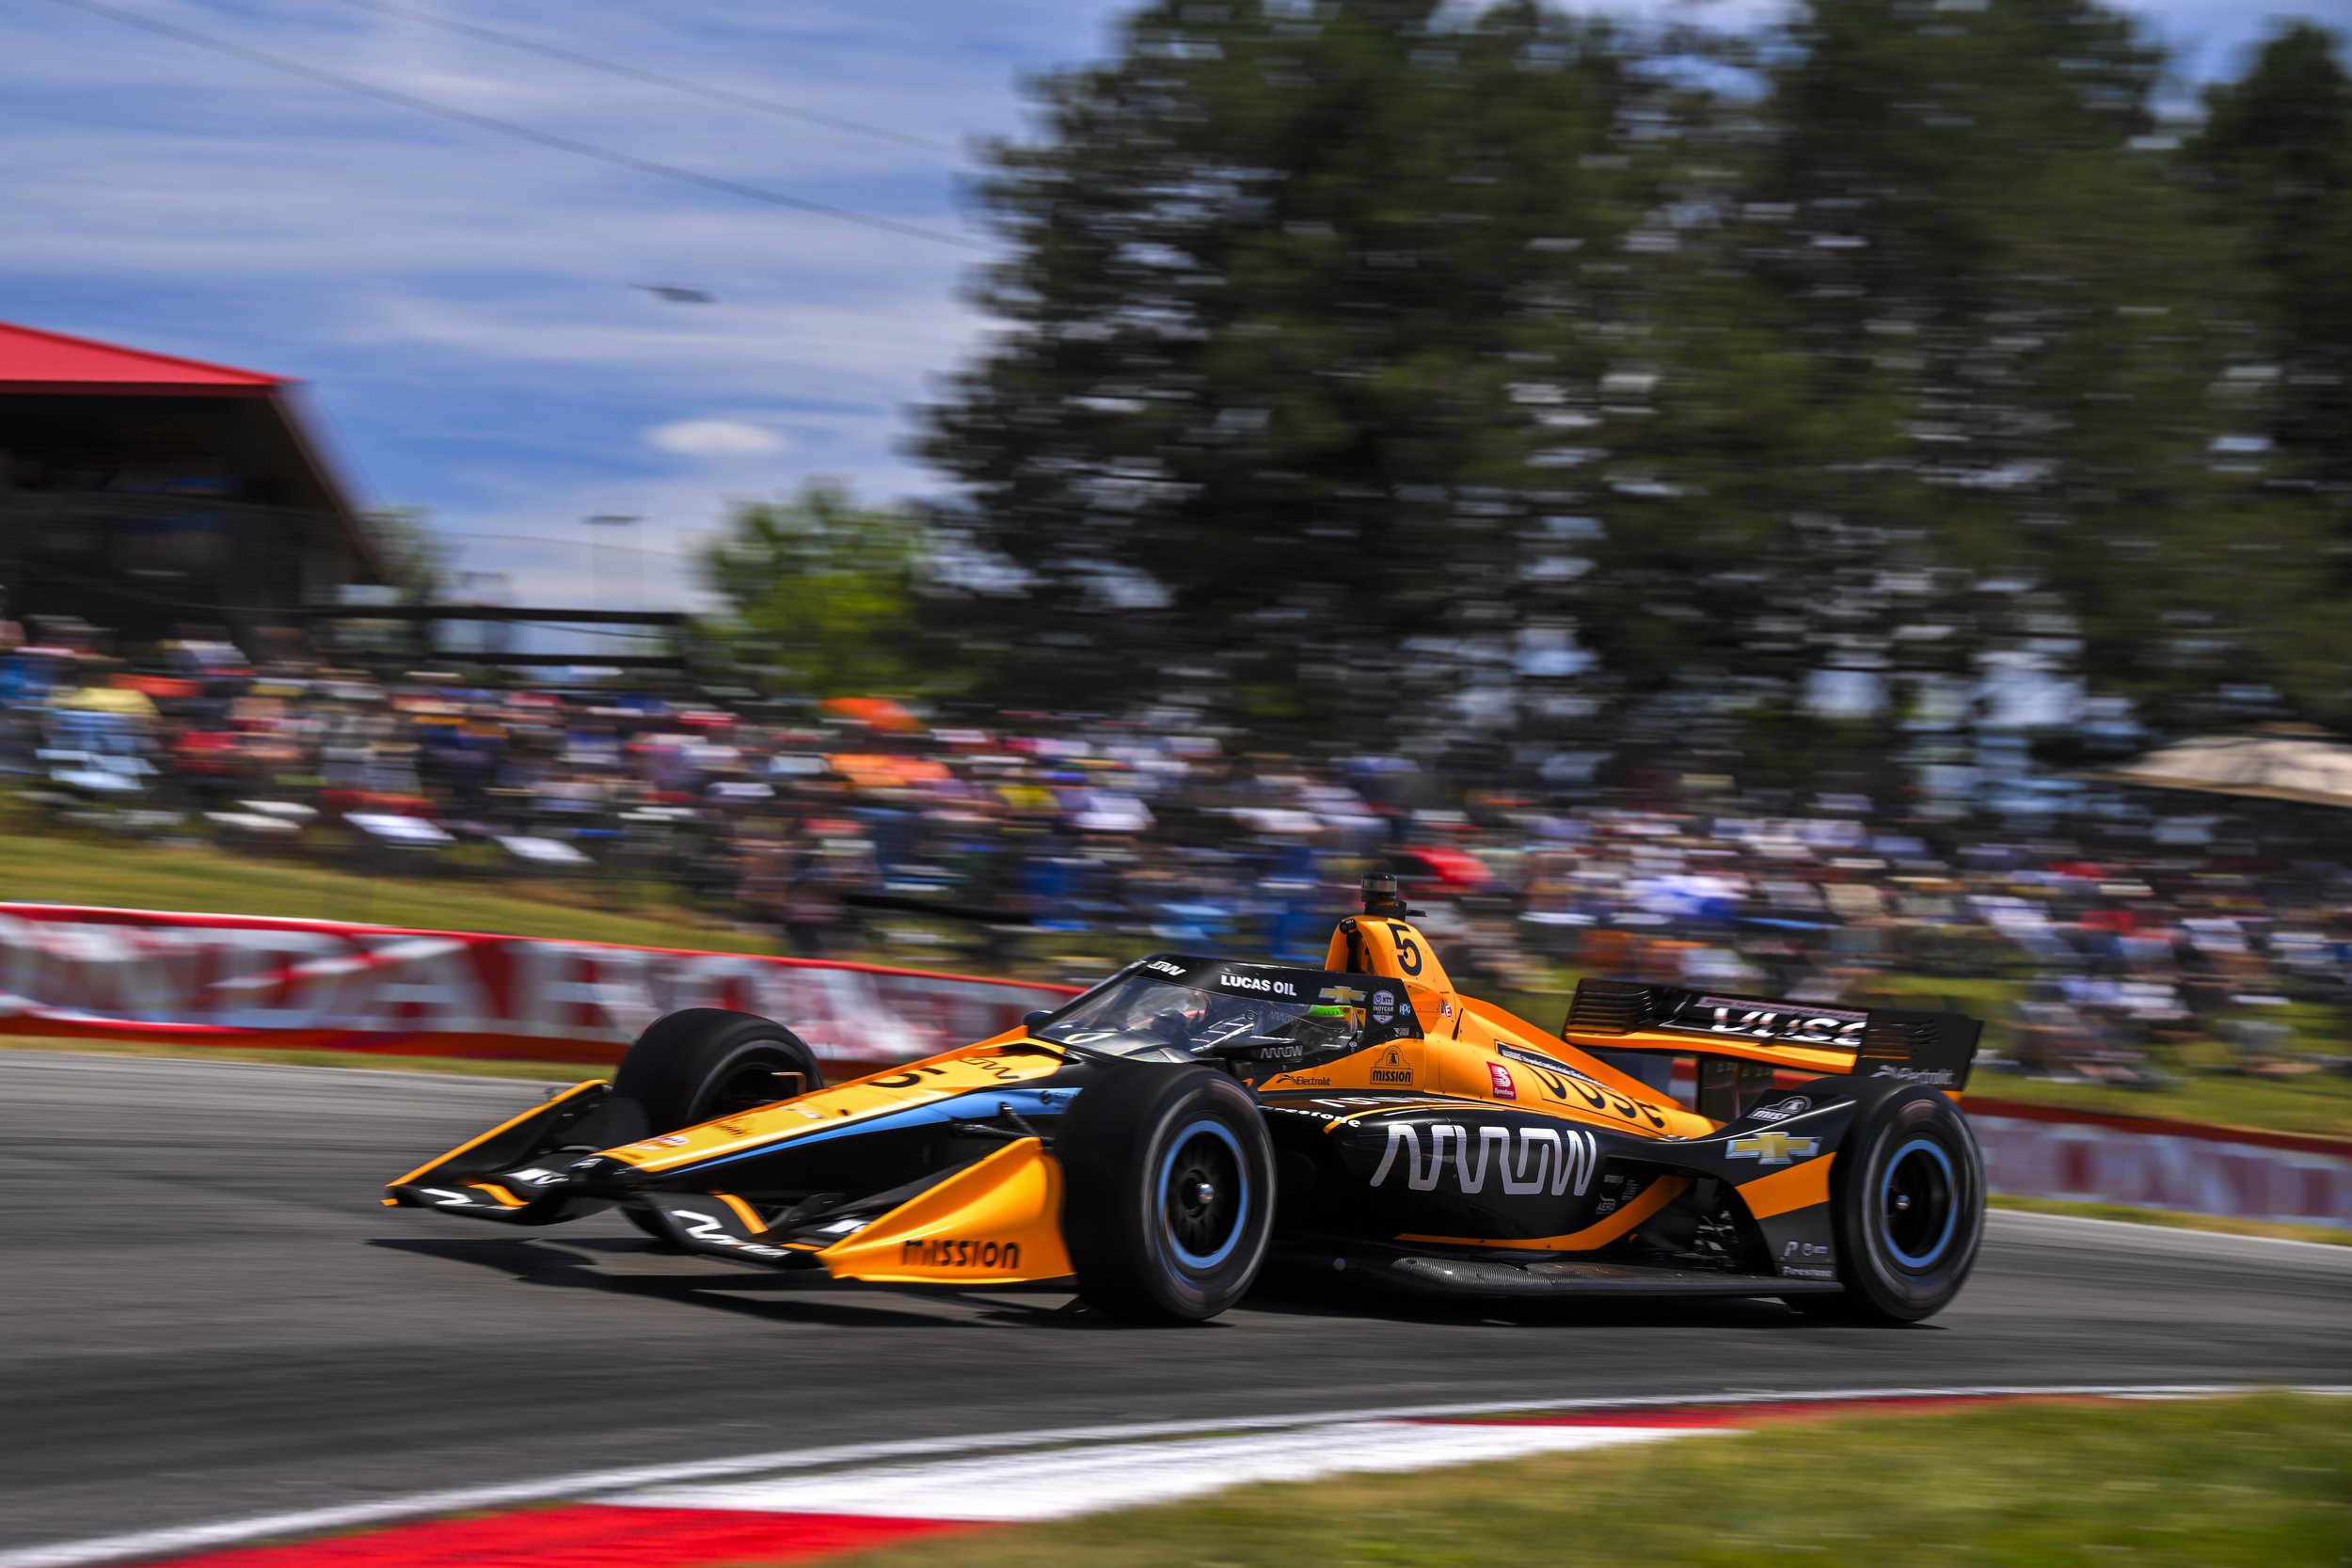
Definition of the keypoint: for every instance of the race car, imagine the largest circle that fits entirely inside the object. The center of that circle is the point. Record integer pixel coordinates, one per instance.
(1165, 1136)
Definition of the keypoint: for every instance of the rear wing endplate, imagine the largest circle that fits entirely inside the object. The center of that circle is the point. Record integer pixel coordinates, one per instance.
(1930, 1047)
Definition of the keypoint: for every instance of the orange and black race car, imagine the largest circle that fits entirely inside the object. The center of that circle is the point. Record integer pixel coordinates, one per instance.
(1164, 1136)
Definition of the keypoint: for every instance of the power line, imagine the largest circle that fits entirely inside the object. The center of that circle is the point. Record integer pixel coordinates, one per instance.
(638, 74)
(509, 128)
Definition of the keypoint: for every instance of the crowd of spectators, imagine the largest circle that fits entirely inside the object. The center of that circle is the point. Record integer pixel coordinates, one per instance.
(2110, 946)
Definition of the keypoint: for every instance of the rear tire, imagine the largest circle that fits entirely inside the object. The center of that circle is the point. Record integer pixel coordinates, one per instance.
(695, 1066)
(1168, 1192)
(1907, 1208)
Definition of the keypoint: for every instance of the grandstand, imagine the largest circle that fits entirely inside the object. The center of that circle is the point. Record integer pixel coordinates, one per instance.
(147, 494)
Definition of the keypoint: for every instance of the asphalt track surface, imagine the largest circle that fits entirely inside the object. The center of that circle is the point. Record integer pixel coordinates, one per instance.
(206, 1313)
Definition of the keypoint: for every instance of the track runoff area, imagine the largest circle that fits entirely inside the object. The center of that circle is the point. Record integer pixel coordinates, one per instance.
(811, 1504)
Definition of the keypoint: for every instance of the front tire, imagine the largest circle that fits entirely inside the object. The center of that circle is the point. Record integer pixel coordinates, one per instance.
(1907, 1207)
(1168, 1192)
(703, 1063)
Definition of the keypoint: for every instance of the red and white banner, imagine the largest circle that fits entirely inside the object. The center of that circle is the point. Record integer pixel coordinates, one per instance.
(2041, 1151)
(207, 980)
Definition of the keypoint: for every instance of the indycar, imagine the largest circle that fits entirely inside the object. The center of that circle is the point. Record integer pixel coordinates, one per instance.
(1163, 1137)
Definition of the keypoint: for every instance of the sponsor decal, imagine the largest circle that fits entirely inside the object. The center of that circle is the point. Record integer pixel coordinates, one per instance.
(1941, 1078)
(1795, 1105)
(943, 1251)
(1504, 1086)
(1803, 1249)
(1300, 1081)
(537, 1177)
(995, 1067)
(1161, 966)
(1772, 1148)
(1617, 1189)
(710, 1228)
(668, 1140)
(1383, 1007)
(1445, 1009)
(1527, 1159)
(1794, 1272)
(1341, 996)
(1728, 1015)
(1393, 1069)
(1258, 983)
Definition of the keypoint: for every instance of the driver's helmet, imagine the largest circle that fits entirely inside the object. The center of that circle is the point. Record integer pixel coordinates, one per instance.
(1328, 1028)
(1207, 1015)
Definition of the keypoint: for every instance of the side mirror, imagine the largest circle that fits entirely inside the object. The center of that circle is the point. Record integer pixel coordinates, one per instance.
(1030, 1020)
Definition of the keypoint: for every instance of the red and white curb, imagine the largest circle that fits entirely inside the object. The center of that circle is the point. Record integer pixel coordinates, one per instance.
(803, 1505)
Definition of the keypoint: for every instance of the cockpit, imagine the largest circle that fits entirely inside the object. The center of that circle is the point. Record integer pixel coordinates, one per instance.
(1176, 1008)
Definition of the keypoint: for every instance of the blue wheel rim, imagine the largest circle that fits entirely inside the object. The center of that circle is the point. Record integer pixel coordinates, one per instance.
(1919, 1176)
(1182, 1161)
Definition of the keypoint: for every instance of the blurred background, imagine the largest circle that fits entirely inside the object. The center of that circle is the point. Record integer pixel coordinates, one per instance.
(1835, 502)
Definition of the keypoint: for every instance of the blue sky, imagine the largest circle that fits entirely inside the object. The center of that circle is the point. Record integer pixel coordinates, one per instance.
(462, 302)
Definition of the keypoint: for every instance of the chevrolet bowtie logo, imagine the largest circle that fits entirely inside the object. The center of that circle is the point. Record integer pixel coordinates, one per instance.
(1341, 996)
(1772, 1148)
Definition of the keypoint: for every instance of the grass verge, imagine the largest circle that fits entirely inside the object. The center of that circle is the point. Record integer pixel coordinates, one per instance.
(2262, 1480)
(2331, 1234)
(41, 866)
(2318, 1102)
(472, 1066)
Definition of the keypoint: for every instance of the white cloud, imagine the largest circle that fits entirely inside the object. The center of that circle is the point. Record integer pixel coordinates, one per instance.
(715, 438)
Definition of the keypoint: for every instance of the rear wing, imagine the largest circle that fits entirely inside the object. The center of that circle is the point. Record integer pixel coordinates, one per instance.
(1934, 1049)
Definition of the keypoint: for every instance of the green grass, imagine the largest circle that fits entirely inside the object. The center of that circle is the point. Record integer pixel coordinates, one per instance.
(470, 1066)
(2333, 1235)
(2319, 1102)
(2263, 1482)
(38, 865)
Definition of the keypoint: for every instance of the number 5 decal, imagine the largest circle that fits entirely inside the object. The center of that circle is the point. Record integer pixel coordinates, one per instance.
(1408, 950)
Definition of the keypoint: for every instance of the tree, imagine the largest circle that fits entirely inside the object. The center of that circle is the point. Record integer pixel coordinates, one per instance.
(416, 555)
(1280, 278)
(2274, 158)
(2276, 152)
(1935, 376)
(823, 593)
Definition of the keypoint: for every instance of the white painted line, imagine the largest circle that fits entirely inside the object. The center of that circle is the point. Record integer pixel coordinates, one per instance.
(187, 1538)
(1004, 1488)
(2171, 1238)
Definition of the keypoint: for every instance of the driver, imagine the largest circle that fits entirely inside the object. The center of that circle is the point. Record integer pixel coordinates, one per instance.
(1208, 1016)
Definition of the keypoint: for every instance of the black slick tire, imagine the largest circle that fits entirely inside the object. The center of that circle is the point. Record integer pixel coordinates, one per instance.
(693, 1066)
(1168, 1201)
(1907, 1209)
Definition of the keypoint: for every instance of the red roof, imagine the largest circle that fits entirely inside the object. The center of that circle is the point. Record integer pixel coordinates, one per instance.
(32, 361)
